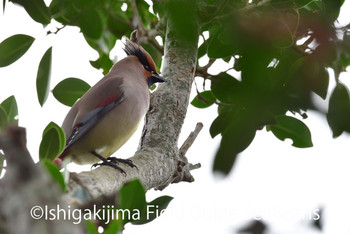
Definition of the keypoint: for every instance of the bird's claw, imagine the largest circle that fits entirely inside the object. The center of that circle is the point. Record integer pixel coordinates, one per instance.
(113, 161)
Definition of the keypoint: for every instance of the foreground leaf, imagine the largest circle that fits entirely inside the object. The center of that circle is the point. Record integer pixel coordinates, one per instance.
(132, 195)
(292, 128)
(54, 171)
(10, 107)
(37, 10)
(338, 115)
(12, 48)
(69, 90)
(52, 143)
(43, 77)
(204, 99)
(153, 209)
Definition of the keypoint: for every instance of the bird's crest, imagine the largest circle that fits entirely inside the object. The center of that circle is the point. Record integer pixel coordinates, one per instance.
(131, 48)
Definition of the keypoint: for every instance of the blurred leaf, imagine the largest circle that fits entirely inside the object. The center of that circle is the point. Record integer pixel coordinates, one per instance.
(204, 99)
(12, 48)
(332, 9)
(238, 131)
(183, 15)
(3, 5)
(91, 227)
(118, 28)
(254, 227)
(113, 227)
(37, 10)
(153, 209)
(3, 117)
(9, 105)
(64, 11)
(292, 128)
(104, 44)
(132, 195)
(202, 50)
(225, 87)
(55, 173)
(338, 115)
(91, 24)
(103, 62)
(43, 77)
(69, 90)
(234, 140)
(217, 45)
(52, 143)
(221, 123)
(307, 74)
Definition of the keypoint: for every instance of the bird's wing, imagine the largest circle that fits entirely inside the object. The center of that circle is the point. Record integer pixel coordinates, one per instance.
(95, 104)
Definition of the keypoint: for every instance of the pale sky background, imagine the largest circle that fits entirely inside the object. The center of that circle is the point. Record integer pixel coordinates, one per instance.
(271, 180)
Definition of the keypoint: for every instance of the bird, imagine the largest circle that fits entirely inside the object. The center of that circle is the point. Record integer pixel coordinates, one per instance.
(108, 114)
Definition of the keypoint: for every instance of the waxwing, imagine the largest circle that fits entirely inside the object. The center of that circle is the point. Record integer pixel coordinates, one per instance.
(108, 114)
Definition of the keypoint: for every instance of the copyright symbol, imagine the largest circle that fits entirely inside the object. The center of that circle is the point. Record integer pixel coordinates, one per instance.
(36, 212)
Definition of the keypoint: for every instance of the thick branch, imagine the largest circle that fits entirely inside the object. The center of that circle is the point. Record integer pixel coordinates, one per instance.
(25, 186)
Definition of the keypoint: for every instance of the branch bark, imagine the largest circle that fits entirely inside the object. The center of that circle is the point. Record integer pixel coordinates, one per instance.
(25, 187)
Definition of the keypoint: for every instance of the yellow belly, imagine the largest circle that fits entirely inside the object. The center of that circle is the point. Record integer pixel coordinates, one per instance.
(105, 138)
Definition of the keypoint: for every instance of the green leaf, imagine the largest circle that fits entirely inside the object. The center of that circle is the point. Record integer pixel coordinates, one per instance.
(289, 127)
(306, 73)
(3, 117)
(221, 123)
(52, 143)
(12, 48)
(37, 10)
(64, 11)
(235, 139)
(9, 105)
(182, 14)
(119, 29)
(103, 62)
(91, 227)
(43, 77)
(113, 227)
(202, 50)
(204, 99)
(332, 9)
(225, 87)
(69, 90)
(55, 173)
(153, 209)
(91, 24)
(218, 49)
(338, 115)
(132, 195)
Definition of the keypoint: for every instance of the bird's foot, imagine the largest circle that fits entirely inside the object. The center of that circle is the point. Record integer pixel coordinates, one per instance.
(120, 160)
(113, 162)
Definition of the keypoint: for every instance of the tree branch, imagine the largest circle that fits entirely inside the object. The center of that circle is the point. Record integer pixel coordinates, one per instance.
(24, 187)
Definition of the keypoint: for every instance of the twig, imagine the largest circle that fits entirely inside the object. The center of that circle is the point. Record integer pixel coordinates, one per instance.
(253, 5)
(137, 21)
(203, 71)
(57, 30)
(190, 139)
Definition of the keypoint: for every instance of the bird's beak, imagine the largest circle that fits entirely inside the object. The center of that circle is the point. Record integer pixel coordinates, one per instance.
(158, 78)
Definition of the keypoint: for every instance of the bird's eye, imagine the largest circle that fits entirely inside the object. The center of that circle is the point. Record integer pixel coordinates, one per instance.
(146, 67)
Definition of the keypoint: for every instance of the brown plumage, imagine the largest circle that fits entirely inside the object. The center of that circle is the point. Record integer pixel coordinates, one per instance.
(108, 114)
